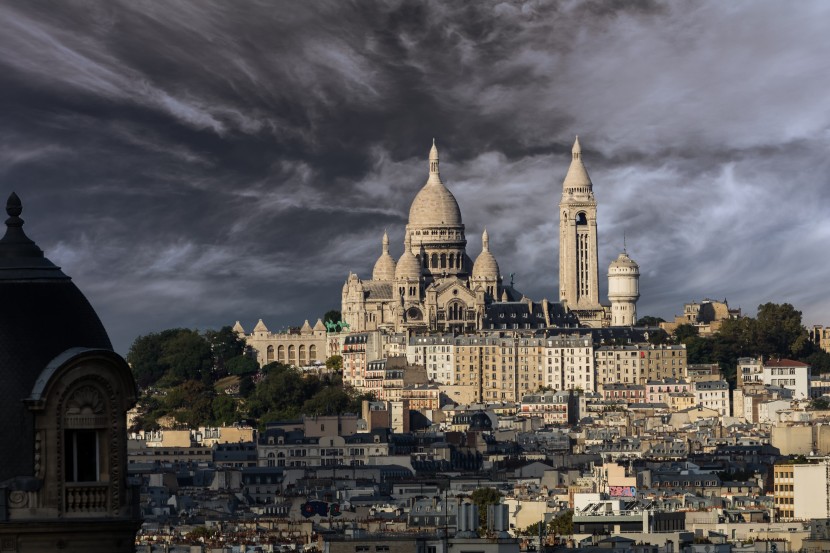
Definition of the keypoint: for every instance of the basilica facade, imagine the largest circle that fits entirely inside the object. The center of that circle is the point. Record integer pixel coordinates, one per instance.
(434, 284)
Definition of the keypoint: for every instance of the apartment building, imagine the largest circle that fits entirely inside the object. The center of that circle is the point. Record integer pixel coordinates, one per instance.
(569, 363)
(801, 491)
(620, 365)
(436, 352)
(713, 395)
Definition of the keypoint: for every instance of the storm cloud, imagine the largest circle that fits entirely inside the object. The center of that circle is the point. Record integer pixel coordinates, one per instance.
(191, 163)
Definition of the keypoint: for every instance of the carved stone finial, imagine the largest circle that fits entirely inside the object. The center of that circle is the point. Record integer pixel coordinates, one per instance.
(14, 207)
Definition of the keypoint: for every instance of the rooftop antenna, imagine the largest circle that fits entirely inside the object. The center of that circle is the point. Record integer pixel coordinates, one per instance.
(625, 249)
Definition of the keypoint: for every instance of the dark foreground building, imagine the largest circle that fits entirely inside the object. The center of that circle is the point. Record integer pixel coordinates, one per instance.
(63, 403)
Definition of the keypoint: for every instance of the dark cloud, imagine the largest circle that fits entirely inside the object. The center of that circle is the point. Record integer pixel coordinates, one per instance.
(193, 163)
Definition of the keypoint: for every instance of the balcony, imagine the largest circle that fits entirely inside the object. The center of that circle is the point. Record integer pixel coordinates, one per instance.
(86, 498)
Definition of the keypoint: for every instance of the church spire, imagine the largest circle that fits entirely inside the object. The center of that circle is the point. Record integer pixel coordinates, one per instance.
(385, 242)
(485, 241)
(433, 161)
(577, 179)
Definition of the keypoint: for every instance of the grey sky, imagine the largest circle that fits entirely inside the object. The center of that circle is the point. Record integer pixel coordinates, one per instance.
(194, 163)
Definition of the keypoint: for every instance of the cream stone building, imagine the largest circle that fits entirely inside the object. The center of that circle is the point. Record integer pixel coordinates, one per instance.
(436, 286)
(307, 347)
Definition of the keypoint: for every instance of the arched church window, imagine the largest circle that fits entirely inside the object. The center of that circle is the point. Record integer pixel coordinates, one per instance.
(269, 354)
(443, 261)
(292, 355)
(452, 261)
(312, 353)
(281, 354)
(302, 355)
(581, 218)
(434, 262)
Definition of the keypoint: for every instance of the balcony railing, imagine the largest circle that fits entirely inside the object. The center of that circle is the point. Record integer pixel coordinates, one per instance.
(89, 497)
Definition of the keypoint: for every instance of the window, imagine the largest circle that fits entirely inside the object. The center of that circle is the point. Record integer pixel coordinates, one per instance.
(82, 456)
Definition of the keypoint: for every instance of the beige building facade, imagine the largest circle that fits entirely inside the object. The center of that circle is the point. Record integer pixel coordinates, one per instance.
(307, 347)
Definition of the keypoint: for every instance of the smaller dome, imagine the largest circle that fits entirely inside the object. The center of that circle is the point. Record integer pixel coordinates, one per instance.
(408, 266)
(385, 265)
(624, 262)
(485, 266)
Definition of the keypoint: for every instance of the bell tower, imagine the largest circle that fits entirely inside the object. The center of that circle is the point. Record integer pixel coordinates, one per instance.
(578, 265)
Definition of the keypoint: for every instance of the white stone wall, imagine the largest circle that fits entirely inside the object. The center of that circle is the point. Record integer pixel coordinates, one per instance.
(810, 491)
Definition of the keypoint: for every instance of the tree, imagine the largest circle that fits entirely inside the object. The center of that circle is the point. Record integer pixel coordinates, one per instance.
(191, 403)
(820, 404)
(779, 330)
(356, 403)
(145, 357)
(225, 344)
(685, 332)
(335, 363)
(332, 316)
(224, 409)
(246, 386)
(563, 524)
(483, 497)
(328, 401)
(241, 365)
(819, 360)
(648, 320)
(532, 530)
(274, 366)
(282, 394)
(188, 356)
(657, 337)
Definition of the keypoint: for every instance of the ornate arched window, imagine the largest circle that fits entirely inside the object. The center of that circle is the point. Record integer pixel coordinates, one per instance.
(302, 355)
(312, 353)
(292, 355)
(281, 354)
(80, 435)
(269, 354)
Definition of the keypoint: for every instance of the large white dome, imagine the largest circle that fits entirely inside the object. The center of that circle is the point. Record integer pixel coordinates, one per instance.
(434, 204)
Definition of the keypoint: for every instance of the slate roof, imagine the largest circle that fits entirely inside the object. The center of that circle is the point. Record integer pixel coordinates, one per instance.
(377, 290)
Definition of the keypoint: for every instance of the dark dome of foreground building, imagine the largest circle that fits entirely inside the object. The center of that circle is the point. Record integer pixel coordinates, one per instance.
(63, 404)
(44, 314)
